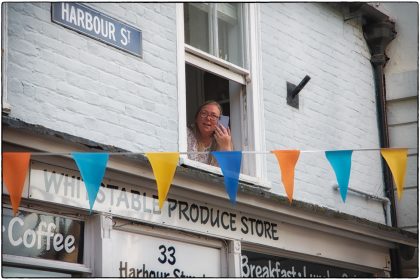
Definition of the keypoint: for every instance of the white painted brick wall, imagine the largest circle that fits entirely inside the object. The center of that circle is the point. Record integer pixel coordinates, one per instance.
(69, 82)
(337, 106)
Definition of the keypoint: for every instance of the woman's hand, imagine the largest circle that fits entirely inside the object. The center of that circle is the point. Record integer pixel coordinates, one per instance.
(223, 138)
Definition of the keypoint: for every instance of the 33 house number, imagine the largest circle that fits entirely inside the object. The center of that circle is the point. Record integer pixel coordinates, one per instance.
(167, 254)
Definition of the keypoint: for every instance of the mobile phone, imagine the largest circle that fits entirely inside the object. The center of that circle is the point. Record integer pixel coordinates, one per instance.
(224, 120)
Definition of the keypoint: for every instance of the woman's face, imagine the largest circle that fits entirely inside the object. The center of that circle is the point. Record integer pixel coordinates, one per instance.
(207, 119)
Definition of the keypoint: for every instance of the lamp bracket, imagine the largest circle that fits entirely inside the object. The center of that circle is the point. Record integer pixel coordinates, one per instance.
(293, 91)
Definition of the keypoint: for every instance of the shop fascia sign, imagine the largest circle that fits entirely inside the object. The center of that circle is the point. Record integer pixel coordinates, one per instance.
(99, 26)
(44, 236)
(64, 186)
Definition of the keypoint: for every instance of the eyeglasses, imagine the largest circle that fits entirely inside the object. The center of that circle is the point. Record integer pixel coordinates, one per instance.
(205, 114)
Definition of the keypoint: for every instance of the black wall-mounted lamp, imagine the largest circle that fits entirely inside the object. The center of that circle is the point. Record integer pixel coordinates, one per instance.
(293, 91)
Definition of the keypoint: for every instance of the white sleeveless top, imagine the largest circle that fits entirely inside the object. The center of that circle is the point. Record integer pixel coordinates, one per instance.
(192, 146)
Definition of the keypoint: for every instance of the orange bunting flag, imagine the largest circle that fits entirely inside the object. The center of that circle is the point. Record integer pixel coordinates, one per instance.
(163, 166)
(287, 160)
(397, 163)
(15, 168)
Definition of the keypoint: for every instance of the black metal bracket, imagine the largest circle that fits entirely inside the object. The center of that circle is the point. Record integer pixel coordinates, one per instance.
(293, 91)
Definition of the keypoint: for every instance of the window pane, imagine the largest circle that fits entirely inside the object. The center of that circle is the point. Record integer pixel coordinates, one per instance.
(196, 25)
(230, 38)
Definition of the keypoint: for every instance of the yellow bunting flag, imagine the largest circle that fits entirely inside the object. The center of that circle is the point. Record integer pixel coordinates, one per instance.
(397, 162)
(15, 168)
(287, 161)
(163, 166)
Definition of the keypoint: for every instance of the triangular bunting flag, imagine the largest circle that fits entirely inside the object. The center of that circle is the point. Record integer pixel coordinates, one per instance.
(397, 162)
(230, 164)
(164, 167)
(287, 161)
(92, 168)
(15, 168)
(341, 163)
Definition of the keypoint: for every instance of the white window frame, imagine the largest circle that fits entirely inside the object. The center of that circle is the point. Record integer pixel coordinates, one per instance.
(6, 108)
(34, 263)
(251, 79)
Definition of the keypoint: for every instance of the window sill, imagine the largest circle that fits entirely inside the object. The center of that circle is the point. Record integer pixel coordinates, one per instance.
(6, 108)
(46, 264)
(259, 182)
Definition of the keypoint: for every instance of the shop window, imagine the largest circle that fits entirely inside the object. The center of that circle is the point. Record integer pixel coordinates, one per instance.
(216, 44)
(41, 244)
(258, 265)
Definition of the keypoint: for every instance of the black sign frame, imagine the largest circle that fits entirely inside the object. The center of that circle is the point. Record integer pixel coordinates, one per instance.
(136, 33)
(256, 265)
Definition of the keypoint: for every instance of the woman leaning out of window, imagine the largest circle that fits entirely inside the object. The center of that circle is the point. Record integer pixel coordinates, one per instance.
(207, 135)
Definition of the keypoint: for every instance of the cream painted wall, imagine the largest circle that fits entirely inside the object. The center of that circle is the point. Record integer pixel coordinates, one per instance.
(401, 74)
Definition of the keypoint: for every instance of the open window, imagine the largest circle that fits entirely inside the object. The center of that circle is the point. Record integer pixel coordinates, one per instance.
(216, 63)
(202, 85)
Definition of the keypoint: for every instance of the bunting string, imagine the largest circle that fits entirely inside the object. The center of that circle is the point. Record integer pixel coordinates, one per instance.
(92, 166)
(187, 153)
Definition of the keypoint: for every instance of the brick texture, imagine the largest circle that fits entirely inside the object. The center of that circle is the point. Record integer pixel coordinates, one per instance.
(337, 106)
(72, 83)
(66, 81)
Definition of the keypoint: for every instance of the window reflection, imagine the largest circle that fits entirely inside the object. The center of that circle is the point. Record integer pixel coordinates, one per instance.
(196, 25)
(216, 28)
(229, 23)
